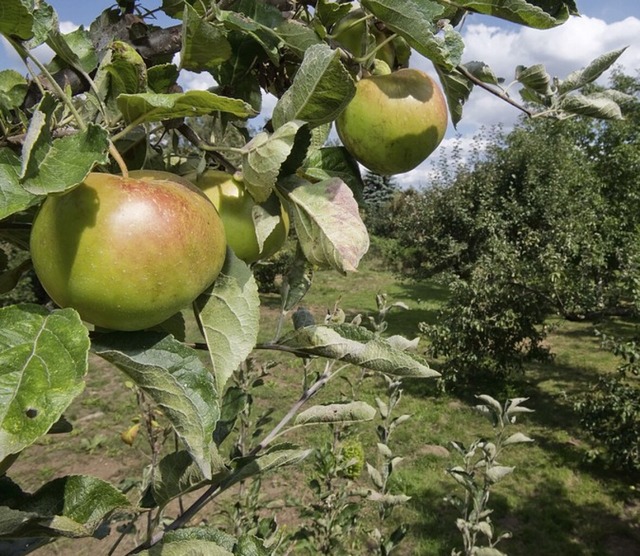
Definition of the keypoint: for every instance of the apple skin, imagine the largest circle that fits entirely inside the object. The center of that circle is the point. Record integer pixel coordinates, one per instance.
(394, 121)
(127, 253)
(235, 205)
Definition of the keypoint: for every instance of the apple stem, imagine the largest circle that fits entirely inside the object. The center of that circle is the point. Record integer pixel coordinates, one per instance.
(364, 59)
(119, 160)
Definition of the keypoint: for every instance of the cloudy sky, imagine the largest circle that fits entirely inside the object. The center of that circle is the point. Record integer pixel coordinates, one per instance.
(602, 27)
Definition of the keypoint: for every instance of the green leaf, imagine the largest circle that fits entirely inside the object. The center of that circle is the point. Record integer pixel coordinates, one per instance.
(297, 36)
(229, 314)
(523, 12)
(13, 89)
(126, 69)
(173, 376)
(72, 506)
(258, 20)
(482, 71)
(162, 77)
(43, 361)
(334, 162)
(578, 79)
(457, 89)
(177, 474)
(204, 44)
(265, 154)
(186, 547)
(296, 281)
(415, 20)
(13, 197)
(64, 163)
(10, 278)
(74, 49)
(154, 107)
(328, 223)
(348, 412)
(358, 346)
(498, 472)
(594, 106)
(536, 78)
(517, 438)
(321, 88)
(488, 551)
(329, 12)
(16, 19)
(277, 456)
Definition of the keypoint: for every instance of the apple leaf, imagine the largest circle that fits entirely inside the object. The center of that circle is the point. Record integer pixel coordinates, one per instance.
(229, 313)
(265, 155)
(482, 71)
(209, 541)
(56, 166)
(13, 89)
(277, 456)
(329, 13)
(297, 36)
(72, 506)
(415, 20)
(258, 20)
(594, 106)
(204, 45)
(177, 474)
(358, 346)
(162, 77)
(578, 79)
(297, 281)
(16, 19)
(346, 412)
(266, 218)
(173, 376)
(321, 88)
(13, 197)
(335, 162)
(155, 107)
(457, 89)
(43, 361)
(126, 69)
(535, 78)
(74, 49)
(524, 12)
(328, 223)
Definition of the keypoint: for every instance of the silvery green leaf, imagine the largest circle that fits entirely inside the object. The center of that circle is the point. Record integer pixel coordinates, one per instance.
(348, 412)
(229, 313)
(43, 362)
(175, 378)
(594, 106)
(517, 438)
(580, 78)
(358, 346)
(498, 472)
(321, 88)
(328, 223)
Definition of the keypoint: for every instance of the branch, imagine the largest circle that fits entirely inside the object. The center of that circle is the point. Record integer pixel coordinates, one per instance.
(493, 91)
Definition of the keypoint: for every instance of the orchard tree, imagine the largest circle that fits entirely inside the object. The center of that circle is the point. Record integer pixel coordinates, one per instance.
(94, 149)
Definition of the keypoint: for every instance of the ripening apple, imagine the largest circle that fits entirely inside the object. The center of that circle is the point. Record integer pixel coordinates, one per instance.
(127, 252)
(394, 121)
(237, 207)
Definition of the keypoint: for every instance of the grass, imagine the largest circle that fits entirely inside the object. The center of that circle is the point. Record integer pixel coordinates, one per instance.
(555, 503)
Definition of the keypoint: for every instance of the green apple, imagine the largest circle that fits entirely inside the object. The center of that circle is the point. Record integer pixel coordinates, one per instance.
(240, 213)
(394, 121)
(127, 253)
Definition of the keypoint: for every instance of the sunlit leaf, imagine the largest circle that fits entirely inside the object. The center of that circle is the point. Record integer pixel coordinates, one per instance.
(43, 361)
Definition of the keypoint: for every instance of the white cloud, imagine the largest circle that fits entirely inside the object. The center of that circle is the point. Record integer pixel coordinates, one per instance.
(561, 50)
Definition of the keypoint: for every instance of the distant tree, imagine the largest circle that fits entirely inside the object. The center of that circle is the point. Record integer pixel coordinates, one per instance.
(378, 195)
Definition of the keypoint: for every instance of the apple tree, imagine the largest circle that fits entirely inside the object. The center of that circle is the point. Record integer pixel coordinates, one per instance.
(104, 121)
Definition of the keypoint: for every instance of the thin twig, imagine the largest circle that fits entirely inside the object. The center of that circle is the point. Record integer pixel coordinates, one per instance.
(493, 91)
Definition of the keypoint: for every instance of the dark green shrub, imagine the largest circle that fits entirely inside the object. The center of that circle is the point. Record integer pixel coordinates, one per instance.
(610, 410)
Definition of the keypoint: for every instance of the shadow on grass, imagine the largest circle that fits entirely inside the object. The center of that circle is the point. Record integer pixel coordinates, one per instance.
(549, 522)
